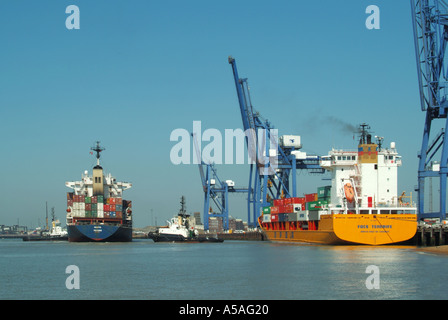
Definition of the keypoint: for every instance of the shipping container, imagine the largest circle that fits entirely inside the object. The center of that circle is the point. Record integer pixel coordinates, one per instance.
(69, 203)
(266, 218)
(119, 201)
(299, 216)
(106, 207)
(274, 209)
(278, 202)
(88, 200)
(100, 199)
(316, 205)
(299, 207)
(274, 217)
(112, 208)
(311, 197)
(94, 199)
(298, 200)
(323, 193)
(266, 210)
(118, 207)
(82, 198)
(88, 207)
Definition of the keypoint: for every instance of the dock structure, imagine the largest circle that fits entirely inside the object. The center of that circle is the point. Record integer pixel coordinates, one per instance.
(431, 235)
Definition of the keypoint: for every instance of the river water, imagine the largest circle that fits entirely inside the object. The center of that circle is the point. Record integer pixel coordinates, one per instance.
(237, 270)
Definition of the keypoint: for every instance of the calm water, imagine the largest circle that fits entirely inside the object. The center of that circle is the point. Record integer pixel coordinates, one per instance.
(230, 270)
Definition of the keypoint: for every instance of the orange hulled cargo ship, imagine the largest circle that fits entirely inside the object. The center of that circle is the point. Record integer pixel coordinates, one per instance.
(361, 206)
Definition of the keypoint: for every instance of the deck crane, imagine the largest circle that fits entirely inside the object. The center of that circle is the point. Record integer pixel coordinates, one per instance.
(262, 139)
(430, 24)
(215, 190)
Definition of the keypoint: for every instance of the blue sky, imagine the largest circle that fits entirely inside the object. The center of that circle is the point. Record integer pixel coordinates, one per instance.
(137, 70)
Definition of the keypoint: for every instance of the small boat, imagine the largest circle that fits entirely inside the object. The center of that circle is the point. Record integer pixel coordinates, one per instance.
(181, 229)
(57, 233)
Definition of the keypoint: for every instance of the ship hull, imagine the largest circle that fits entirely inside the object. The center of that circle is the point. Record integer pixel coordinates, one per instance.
(99, 233)
(340, 229)
(158, 237)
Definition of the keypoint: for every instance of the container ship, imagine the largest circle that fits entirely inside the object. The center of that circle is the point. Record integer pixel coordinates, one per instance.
(361, 206)
(96, 211)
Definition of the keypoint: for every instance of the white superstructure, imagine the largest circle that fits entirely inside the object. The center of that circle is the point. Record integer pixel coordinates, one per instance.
(366, 179)
(112, 188)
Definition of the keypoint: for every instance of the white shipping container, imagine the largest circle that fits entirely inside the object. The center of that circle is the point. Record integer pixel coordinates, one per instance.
(266, 218)
(100, 214)
(290, 141)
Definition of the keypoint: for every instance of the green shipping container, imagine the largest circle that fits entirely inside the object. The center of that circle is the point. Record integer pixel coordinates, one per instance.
(316, 205)
(266, 210)
(100, 199)
(88, 200)
(323, 192)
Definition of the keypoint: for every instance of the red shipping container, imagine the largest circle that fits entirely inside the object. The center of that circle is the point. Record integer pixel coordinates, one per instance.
(118, 214)
(112, 201)
(288, 208)
(275, 209)
(118, 201)
(287, 201)
(94, 199)
(112, 207)
(88, 206)
(82, 198)
(298, 200)
(278, 202)
(106, 208)
(69, 203)
(274, 217)
(311, 197)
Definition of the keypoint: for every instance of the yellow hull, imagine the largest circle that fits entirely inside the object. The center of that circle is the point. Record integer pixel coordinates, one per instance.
(367, 229)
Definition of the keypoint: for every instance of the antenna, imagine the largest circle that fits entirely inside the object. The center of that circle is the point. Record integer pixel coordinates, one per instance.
(98, 150)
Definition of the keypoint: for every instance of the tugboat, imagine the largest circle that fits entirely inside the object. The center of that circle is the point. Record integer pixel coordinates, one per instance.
(180, 229)
(57, 233)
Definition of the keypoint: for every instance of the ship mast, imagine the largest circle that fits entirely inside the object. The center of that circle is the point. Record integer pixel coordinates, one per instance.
(98, 150)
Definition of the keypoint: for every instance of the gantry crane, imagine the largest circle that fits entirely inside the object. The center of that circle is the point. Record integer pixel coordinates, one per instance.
(273, 164)
(430, 24)
(215, 190)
